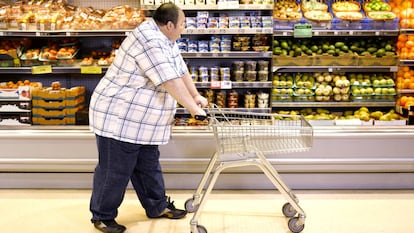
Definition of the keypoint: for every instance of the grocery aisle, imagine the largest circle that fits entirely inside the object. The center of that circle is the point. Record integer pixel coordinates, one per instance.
(247, 211)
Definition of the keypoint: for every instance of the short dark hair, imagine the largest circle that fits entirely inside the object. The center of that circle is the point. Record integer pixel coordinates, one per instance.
(166, 12)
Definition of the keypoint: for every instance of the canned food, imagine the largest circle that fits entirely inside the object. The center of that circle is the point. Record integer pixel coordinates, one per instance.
(263, 75)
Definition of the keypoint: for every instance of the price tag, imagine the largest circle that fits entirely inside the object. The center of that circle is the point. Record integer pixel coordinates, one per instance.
(91, 70)
(220, 84)
(215, 85)
(302, 30)
(42, 69)
(225, 84)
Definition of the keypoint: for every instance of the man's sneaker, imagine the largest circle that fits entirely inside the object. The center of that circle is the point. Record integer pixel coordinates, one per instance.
(171, 212)
(108, 226)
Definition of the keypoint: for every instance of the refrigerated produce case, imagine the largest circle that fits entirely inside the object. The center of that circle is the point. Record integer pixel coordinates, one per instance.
(343, 157)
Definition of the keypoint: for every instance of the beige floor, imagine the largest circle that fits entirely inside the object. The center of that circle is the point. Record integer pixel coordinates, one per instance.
(247, 211)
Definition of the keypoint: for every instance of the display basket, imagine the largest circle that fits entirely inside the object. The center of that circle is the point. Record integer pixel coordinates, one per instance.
(313, 5)
(345, 6)
(314, 18)
(347, 20)
(242, 139)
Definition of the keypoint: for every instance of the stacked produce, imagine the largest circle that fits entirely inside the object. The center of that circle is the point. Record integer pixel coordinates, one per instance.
(362, 114)
(56, 105)
(405, 46)
(378, 47)
(282, 87)
(286, 10)
(304, 87)
(57, 15)
(404, 9)
(372, 87)
(405, 78)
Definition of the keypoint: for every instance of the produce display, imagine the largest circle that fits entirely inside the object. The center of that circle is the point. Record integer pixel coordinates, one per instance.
(378, 47)
(57, 15)
(376, 5)
(404, 9)
(296, 87)
(362, 114)
(346, 6)
(405, 46)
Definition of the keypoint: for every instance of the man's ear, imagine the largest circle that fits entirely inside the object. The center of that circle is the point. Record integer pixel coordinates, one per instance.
(170, 25)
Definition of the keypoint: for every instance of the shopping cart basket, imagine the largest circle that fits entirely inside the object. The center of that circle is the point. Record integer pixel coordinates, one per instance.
(243, 139)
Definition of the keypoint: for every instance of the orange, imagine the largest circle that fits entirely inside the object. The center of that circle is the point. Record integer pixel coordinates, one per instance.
(406, 4)
(406, 83)
(409, 44)
(403, 100)
(402, 37)
(403, 22)
(405, 68)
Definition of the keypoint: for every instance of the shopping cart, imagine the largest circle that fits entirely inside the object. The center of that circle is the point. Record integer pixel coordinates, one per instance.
(243, 139)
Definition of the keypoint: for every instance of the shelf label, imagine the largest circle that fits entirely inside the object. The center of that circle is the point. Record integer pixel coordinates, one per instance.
(220, 85)
(228, 5)
(302, 30)
(91, 70)
(42, 69)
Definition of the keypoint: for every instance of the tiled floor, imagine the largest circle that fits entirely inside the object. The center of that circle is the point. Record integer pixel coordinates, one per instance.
(226, 211)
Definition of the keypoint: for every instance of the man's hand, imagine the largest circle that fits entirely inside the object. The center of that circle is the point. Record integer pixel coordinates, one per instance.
(201, 101)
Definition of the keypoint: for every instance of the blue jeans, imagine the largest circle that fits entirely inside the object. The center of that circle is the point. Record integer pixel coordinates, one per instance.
(118, 163)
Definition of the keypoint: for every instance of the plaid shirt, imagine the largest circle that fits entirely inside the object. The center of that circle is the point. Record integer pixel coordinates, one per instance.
(128, 103)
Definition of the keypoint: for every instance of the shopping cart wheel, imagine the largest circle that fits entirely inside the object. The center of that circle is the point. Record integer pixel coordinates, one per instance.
(288, 210)
(294, 226)
(189, 206)
(200, 229)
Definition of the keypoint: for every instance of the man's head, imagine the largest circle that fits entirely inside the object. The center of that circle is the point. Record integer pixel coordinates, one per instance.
(171, 20)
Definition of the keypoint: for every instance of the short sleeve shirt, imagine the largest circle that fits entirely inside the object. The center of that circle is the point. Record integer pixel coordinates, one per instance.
(128, 104)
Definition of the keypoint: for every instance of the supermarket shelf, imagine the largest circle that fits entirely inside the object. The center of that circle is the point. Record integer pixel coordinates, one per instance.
(317, 32)
(229, 31)
(333, 104)
(238, 84)
(407, 62)
(65, 33)
(336, 68)
(256, 110)
(247, 54)
(407, 31)
(233, 6)
(76, 69)
(405, 91)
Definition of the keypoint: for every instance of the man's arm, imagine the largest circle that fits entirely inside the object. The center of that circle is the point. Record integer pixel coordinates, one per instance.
(184, 94)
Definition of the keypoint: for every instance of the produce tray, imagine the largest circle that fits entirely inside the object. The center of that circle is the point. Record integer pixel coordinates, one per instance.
(388, 60)
(329, 60)
(59, 103)
(61, 94)
(55, 113)
(283, 60)
(41, 120)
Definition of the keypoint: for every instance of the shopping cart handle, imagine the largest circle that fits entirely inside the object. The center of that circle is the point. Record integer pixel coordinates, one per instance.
(200, 117)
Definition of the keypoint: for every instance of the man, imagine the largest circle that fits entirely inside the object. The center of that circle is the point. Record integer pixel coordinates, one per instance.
(131, 112)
